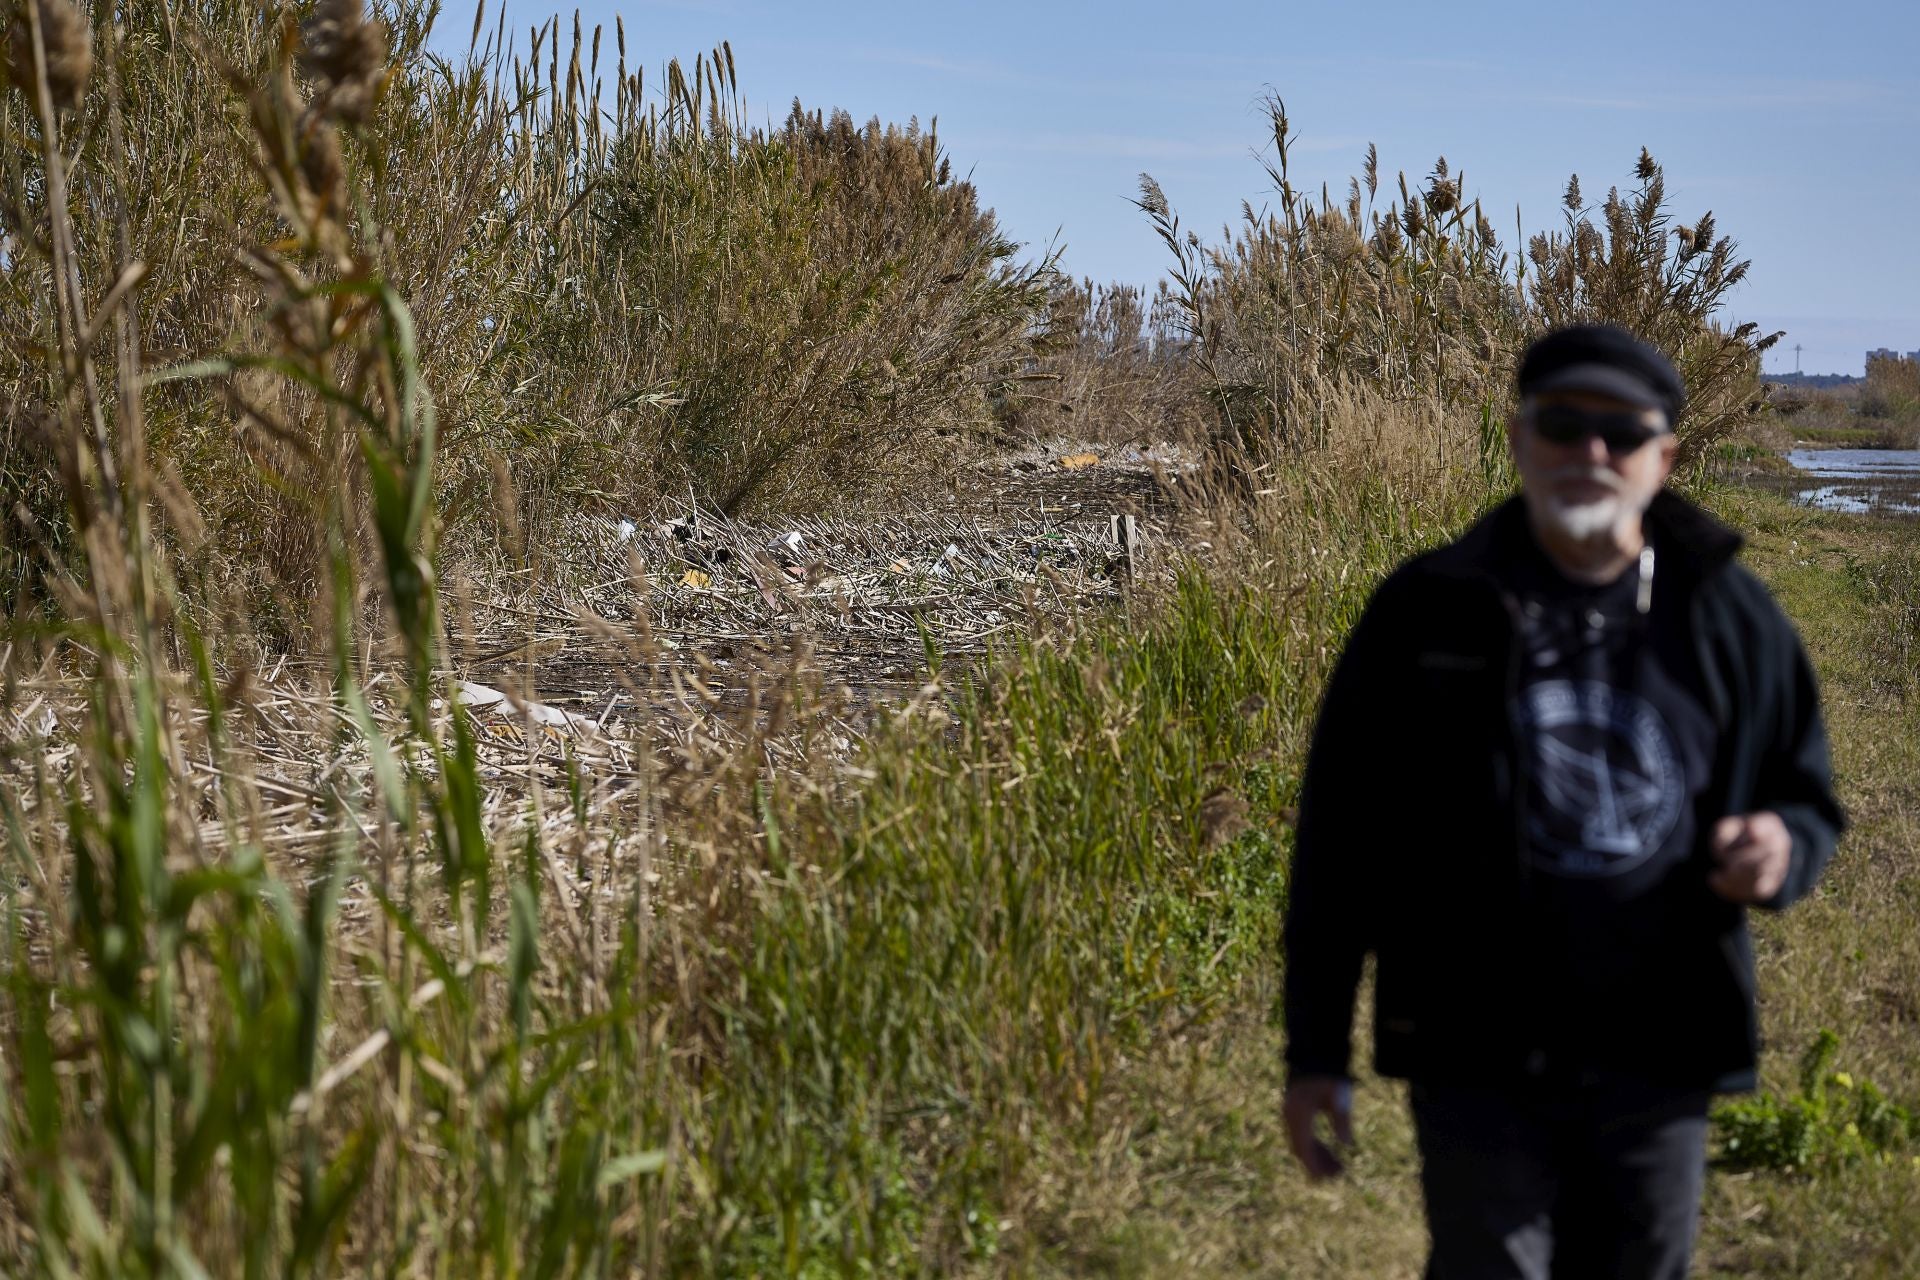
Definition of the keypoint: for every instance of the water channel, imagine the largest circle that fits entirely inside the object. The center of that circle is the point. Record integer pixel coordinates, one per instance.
(1882, 481)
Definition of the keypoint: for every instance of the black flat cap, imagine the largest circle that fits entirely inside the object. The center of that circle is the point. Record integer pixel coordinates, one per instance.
(1607, 361)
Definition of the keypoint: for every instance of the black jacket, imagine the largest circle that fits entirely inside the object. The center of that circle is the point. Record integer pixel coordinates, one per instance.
(1411, 844)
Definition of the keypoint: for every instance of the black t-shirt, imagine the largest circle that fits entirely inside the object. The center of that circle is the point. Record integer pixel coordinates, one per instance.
(1616, 748)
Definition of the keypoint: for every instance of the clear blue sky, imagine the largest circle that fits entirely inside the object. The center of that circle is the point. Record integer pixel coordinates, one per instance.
(1797, 124)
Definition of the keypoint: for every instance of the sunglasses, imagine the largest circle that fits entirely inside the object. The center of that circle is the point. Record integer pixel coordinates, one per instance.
(1621, 432)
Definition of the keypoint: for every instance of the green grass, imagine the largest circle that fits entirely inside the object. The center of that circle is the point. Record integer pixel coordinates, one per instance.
(1017, 900)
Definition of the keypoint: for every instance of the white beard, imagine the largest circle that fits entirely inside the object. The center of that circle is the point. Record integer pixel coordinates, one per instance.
(1585, 521)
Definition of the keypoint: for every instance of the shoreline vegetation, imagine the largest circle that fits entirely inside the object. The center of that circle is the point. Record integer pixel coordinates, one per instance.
(595, 690)
(1879, 411)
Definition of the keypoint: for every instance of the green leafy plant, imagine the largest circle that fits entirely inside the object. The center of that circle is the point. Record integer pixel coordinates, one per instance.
(1832, 1120)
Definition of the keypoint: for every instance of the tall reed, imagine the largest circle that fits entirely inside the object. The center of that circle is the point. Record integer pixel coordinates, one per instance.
(1110, 364)
(1413, 293)
(1892, 392)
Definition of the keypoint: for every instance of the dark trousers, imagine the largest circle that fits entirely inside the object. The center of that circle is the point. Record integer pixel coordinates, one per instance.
(1560, 1181)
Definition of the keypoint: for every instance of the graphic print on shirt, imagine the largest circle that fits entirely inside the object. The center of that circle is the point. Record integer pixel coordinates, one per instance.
(1607, 780)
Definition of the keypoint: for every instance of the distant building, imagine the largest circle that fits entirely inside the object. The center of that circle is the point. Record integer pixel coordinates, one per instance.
(1888, 353)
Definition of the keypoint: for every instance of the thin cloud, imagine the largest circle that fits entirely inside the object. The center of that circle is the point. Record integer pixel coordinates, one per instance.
(1310, 144)
(997, 71)
(1343, 62)
(1751, 97)
(932, 62)
(1110, 145)
(962, 68)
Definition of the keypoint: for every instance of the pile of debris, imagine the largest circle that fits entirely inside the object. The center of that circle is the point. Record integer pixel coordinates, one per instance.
(864, 600)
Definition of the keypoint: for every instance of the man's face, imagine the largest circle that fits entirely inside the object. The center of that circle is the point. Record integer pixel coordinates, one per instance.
(1583, 489)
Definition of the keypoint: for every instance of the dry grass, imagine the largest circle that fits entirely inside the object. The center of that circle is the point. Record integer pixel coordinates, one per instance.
(1110, 369)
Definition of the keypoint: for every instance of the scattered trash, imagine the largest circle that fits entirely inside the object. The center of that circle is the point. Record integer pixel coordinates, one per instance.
(468, 694)
(625, 530)
(1075, 461)
(44, 724)
(481, 697)
(696, 579)
(541, 713)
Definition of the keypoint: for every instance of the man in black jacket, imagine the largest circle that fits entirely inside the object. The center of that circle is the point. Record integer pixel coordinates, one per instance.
(1557, 762)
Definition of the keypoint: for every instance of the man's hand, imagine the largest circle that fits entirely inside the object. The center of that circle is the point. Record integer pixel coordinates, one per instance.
(1307, 1098)
(1752, 854)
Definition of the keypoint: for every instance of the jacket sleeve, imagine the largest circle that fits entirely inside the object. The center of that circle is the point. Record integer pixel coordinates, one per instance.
(1326, 929)
(1795, 775)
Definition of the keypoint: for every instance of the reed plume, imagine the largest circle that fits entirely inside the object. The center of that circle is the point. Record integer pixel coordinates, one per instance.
(345, 54)
(66, 45)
